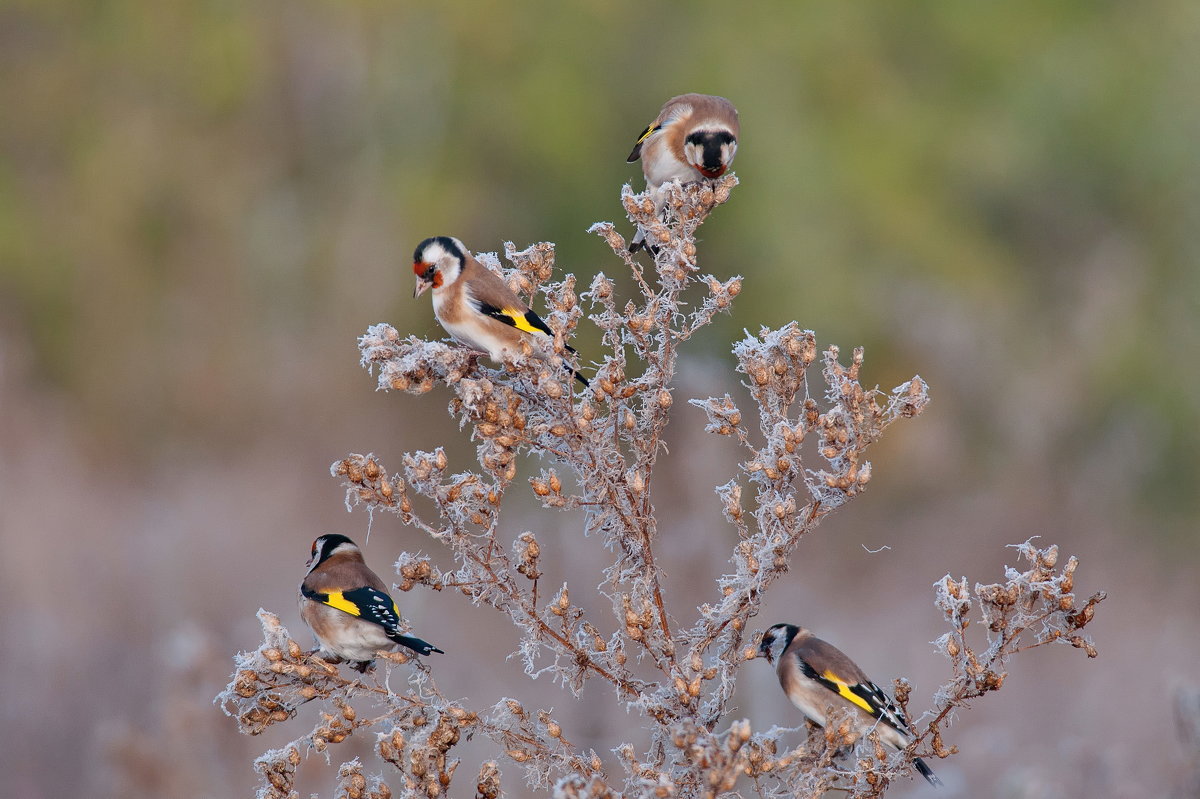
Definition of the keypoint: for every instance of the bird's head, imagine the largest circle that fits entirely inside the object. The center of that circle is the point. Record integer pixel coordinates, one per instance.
(775, 640)
(437, 262)
(329, 545)
(710, 150)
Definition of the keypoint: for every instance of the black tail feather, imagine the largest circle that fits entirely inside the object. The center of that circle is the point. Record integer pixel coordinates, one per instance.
(416, 644)
(639, 243)
(926, 771)
(575, 372)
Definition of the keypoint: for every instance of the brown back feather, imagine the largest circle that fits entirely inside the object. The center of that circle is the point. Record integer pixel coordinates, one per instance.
(344, 571)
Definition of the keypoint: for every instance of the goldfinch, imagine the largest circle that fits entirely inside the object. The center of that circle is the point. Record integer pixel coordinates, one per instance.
(347, 606)
(816, 675)
(694, 136)
(474, 305)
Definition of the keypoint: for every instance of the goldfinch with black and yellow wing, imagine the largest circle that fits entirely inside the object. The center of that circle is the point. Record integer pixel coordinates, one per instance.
(694, 136)
(816, 676)
(476, 307)
(348, 608)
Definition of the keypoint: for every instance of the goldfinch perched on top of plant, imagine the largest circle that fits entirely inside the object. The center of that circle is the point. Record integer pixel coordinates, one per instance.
(816, 676)
(694, 136)
(475, 306)
(347, 606)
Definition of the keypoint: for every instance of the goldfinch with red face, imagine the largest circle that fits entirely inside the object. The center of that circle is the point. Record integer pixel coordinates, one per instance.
(694, 136)
(476, 307)
(816, 676)
(347, 606)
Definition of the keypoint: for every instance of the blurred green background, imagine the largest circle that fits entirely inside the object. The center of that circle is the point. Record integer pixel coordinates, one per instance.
(203, 205)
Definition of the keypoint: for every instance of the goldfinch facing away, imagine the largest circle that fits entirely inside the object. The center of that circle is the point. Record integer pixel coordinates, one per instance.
(475, 306)
(694, 136)
(347, 606)
(816, 675)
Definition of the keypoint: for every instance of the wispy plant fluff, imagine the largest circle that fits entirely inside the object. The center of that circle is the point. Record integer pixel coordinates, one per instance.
(598, 451)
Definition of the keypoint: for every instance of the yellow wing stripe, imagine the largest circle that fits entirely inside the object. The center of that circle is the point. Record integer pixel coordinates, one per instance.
(843, 689)
(336, 600)
(649, 129)
(520, 322)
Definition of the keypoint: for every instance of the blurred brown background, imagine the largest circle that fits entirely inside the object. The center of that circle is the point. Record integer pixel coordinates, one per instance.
(203, 205)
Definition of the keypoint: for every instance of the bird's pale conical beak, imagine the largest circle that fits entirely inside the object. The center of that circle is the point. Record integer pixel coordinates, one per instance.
(425, 274)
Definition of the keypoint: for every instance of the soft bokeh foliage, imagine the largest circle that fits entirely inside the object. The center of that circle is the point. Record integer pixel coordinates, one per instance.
(202, 205)
(212, 171)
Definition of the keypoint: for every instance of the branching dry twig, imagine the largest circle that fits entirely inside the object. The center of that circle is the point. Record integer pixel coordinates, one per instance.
(608, 439)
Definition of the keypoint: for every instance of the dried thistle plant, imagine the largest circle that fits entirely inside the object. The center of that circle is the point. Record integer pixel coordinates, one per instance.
(600, 449)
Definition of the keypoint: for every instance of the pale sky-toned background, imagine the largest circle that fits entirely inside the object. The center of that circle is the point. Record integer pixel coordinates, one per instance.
(202, 207)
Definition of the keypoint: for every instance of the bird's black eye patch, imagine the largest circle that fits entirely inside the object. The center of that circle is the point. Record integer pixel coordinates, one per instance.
(711, 138)
(710, 150)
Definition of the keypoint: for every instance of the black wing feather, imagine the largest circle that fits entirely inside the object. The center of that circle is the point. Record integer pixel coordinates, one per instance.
(882, 706)
(376, 607)
(531, 318)
(637, 148)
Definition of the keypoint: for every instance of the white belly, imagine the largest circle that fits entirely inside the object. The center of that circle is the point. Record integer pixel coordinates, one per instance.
(478, 337)
(666, 168)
